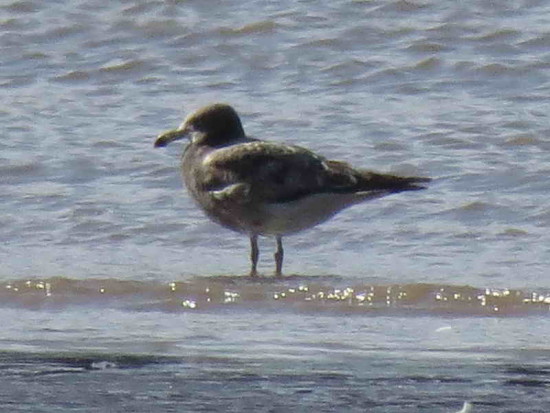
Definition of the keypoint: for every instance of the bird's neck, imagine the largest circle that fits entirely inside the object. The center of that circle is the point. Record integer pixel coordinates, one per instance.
(216, 140)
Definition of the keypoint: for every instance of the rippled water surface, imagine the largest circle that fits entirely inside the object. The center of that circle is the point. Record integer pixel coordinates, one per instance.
(118, 295)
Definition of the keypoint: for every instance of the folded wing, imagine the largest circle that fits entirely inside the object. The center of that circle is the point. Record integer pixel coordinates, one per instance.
(282, 173)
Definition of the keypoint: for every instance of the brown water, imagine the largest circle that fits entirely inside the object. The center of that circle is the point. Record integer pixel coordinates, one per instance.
(308, 294)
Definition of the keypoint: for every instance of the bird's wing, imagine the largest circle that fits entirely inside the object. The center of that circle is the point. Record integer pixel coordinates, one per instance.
(267, 171)
(281, 173)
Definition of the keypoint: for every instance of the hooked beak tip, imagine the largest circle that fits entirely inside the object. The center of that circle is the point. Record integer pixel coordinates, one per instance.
(161, 142)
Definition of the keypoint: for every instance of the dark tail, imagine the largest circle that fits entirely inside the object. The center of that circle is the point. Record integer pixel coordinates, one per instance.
(372, 181)
(343, 178)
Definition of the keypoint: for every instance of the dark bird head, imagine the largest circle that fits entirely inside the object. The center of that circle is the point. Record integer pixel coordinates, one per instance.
(212, 125)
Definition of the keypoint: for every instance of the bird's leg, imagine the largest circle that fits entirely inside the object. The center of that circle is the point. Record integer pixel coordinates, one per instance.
(254, 253)
(279, 254)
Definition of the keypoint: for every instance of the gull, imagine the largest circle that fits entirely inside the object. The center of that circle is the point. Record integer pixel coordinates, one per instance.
(262, 188)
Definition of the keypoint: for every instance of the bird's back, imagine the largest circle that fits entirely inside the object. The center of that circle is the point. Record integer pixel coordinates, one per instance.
(265, 187)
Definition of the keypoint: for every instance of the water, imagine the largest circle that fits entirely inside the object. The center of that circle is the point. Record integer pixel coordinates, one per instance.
(118, 295)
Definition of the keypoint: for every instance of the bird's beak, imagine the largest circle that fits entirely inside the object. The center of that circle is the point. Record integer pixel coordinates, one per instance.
(170, 136)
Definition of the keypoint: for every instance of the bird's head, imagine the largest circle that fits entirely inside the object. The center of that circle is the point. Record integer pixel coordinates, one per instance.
(212, 125)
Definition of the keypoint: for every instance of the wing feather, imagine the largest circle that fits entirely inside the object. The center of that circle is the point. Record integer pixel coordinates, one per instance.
(276, 173)
(272, 172)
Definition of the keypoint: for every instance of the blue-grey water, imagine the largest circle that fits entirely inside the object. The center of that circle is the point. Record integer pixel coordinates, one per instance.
(117, 295)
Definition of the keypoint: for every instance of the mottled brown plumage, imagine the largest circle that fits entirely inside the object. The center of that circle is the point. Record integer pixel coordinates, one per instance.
(265, 188)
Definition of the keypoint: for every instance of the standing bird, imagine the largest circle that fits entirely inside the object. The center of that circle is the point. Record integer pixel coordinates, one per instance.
(265, 188)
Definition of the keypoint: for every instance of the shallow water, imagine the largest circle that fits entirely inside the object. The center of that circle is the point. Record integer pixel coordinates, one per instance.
(307, 294)
(233, 358)
(416, 302)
